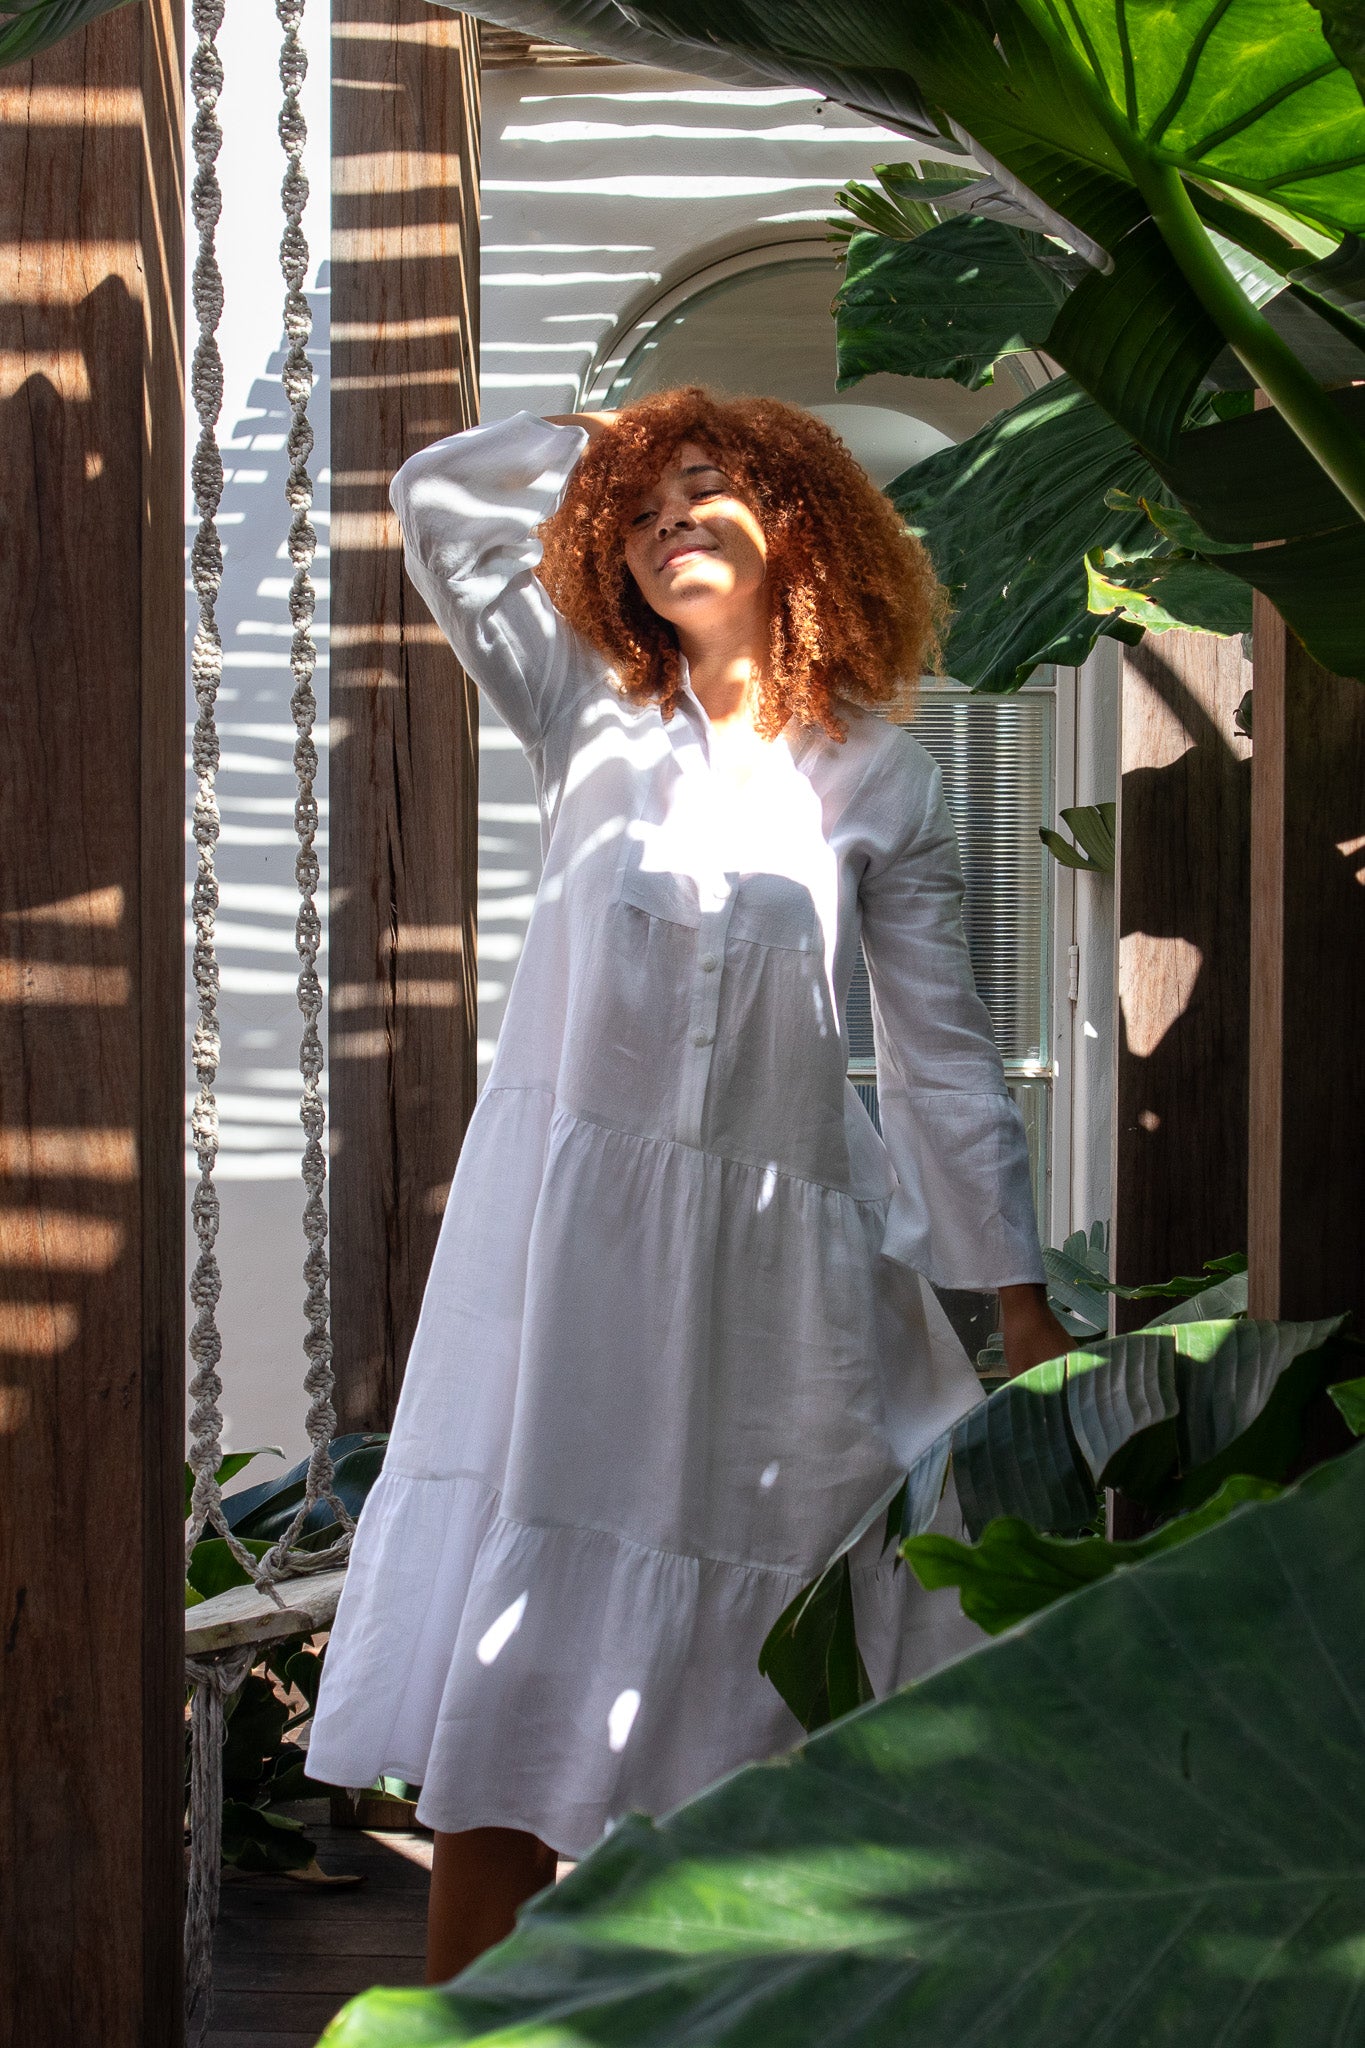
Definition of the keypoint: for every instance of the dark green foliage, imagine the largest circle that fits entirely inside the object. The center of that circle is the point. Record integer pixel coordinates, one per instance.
(1166, 590)
(27, 30)
(811, 1652)
(1135, 1820)
(1349, 1396)
(1166, 1415)
(1343, 23)
(266, 1511)
(1092, 829)
(947, 304)
(1009, 517)
(1015, 1570)
(1250, 479)
(262, 1843)
(1316, 584)
(1136, 340)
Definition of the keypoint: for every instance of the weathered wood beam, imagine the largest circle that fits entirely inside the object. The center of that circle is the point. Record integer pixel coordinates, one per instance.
(1181, 1046)
(91, 1037)
(405, 266)
(1307, 1180)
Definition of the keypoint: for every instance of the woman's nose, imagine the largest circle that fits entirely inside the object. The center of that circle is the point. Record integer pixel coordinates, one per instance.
(679, 514)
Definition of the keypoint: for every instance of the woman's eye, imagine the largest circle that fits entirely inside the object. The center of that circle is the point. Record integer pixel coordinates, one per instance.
(641, 519)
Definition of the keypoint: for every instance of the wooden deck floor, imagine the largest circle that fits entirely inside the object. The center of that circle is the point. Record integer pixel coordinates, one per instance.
(287, 1956)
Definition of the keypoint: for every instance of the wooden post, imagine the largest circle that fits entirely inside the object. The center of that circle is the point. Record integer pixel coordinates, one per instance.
(405, 144)
(91, 1037)
(1182, 912)
(1307, 1181)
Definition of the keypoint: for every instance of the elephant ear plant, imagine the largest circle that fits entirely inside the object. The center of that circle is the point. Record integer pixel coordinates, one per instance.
(1173, 207)
(1133, 1818)
(1166, 1415)
(944, 279)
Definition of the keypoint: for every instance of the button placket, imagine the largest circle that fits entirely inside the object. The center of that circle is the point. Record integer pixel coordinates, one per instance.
(705, 1009)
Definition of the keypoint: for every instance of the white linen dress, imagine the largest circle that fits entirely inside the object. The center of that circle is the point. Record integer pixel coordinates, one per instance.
(676, 1336)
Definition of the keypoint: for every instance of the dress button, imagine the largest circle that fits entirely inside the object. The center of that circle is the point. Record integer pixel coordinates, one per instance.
(701, 1038)
(708, 963)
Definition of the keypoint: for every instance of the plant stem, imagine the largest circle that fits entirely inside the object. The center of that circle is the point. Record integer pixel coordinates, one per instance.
(1295, 394)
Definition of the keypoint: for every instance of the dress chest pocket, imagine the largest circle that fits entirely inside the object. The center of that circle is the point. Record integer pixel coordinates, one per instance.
(762, 909)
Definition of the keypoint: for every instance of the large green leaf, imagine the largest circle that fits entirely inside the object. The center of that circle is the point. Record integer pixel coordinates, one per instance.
(213, 1569)
(1166, 1414)
(946, 304)
(1349, 1396)
(1015, 1570)
(1164, 591)
(229, 1465)
(1343, 23)
(1009, 516)
(268, 1509)
(1092, 829)
(1039, 1446)
(1316, 584)
(1246, 96)
(905, 201)
(1249, 479)
(1137, 340)
(1137, 1820)
(1078, 1277)
(811, 1652)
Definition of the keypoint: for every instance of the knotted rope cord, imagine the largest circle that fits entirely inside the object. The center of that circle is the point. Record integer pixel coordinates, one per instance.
(206, 570)
(214, 1679)
(284, 1557)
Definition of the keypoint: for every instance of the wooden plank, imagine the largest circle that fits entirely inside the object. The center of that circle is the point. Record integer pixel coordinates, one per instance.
(288, 1956)
(251, 2039)
(91, 1036)
(264, 2013)
(1180, 1162)
(345, 1976)
(1307, 1182)
(405, 143)
(244, 1615)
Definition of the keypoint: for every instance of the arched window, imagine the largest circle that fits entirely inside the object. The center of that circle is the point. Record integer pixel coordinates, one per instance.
(759, 321)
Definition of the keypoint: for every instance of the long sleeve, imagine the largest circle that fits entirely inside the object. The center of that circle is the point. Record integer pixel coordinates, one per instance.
(963, 1213)
(468, 506)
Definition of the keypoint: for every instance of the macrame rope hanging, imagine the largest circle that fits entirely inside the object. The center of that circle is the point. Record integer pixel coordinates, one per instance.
(215, 1678)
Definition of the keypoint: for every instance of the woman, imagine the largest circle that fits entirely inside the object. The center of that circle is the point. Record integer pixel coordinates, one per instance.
(675, 1338)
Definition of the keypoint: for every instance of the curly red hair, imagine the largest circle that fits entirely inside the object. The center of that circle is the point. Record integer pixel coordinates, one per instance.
(854, 606)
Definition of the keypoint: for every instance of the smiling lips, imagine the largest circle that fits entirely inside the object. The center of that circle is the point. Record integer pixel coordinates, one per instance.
(685, 547)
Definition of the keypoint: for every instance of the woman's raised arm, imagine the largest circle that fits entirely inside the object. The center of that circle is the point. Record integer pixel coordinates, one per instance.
(468, 507)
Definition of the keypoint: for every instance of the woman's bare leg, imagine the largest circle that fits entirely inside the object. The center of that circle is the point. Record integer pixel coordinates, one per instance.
(479, 1878)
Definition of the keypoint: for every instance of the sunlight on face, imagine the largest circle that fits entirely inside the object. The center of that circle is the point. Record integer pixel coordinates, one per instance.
(694, 546)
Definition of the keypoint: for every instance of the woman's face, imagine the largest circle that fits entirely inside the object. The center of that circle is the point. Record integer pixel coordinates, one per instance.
(693, 545)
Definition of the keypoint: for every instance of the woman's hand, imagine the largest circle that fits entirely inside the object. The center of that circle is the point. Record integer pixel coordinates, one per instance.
(1030, 1330)
(592, 423)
